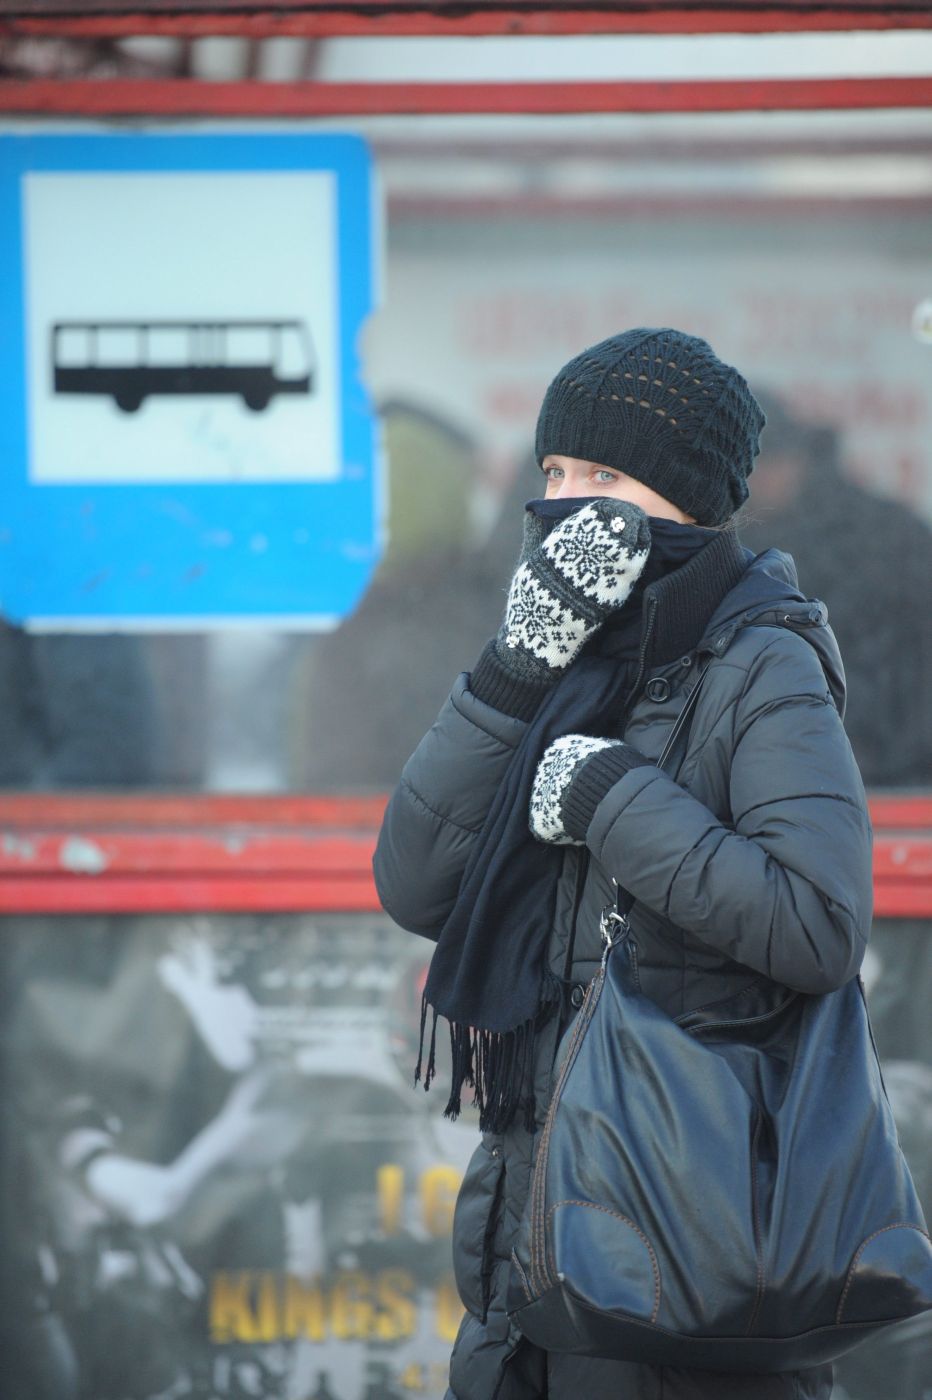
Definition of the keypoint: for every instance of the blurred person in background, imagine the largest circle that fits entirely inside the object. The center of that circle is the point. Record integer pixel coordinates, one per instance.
(363, 694)
(870, 561)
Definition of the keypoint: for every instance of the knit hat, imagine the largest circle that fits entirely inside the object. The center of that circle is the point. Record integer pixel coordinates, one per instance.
(660, 406)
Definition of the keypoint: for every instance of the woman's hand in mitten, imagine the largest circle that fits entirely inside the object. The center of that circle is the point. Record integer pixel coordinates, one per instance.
(568, 582)
(572, 777)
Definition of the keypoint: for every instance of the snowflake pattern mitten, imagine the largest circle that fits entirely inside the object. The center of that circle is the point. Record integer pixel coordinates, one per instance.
(554, 774)
(572, 777)
(568, 582)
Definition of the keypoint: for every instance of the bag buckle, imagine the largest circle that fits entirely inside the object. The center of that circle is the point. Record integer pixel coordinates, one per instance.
(613, 927)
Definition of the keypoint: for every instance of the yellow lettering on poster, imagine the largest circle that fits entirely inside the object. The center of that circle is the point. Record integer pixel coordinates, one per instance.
(303, 1312)
(350, 1307)
(449, 1309)
(267, 1307)
(439, 1186)
(390, 1185)
(397, 1317)
(257, 1305)
(231, 1316)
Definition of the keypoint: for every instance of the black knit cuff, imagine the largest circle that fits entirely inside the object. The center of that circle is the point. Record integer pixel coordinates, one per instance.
(591, 781)
(495, 684)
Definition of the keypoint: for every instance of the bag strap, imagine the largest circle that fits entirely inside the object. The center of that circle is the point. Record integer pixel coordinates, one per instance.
(675, 747)
(674, 751)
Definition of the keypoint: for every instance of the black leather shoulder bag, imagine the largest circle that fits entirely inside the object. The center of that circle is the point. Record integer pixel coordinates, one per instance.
(723, 1190)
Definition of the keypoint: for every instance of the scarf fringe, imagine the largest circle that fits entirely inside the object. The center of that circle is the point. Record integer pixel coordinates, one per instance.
(496, 1065)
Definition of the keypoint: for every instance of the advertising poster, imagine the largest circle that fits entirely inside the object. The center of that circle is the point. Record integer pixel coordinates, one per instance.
(220, 1184)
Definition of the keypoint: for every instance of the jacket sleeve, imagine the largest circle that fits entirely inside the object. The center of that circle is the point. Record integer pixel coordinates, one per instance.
(439, 807)
(786, 887)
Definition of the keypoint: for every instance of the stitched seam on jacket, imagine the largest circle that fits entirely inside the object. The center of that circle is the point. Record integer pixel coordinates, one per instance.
(755, 1215)
(801, 797)
(616, 1215)
(676, 874)
(448, 821)
(490, 733)
(785, 702)
(754, 662)
(644, 768)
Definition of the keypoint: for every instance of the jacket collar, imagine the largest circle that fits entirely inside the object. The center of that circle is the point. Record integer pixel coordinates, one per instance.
(677, 607)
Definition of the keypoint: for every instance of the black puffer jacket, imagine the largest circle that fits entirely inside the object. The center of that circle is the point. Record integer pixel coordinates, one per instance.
(758, 857)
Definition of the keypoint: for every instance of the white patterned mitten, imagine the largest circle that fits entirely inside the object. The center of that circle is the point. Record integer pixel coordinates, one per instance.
(555, 772)
(572, 777)
(568, 582)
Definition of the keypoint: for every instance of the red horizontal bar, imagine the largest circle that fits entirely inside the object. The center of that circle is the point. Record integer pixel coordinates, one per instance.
(903, 859)
(47, 811)
(906, 901)
(105, 810)
(176, 97)
(97, 855)
(323, 22)
(123, 895)
(66, 853)
(912, 812)
(107, 855)
(186, 895)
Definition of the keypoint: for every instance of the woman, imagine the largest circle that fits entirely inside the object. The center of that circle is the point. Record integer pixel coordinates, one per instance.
(537, 789)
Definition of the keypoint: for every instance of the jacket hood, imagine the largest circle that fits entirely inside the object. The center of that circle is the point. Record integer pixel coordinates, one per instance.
(768, 595)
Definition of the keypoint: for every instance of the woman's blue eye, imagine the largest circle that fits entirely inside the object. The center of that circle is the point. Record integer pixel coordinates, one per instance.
(606, 477)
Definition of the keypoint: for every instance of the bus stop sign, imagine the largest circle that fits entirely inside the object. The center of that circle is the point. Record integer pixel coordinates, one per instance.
(185, 437)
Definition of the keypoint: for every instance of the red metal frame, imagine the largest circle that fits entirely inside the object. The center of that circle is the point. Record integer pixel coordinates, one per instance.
(320, 18)
(137, 854)
(73, 854)
(180, 97)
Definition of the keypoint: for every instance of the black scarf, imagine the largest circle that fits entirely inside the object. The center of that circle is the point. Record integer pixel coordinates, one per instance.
(489, 974)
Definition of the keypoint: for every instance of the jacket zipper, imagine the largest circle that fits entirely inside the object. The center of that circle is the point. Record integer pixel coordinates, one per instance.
(642, 658)
(582, 869)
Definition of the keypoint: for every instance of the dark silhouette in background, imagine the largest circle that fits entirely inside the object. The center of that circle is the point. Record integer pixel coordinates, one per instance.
(870, 560)
(364, 694)
(76, 711)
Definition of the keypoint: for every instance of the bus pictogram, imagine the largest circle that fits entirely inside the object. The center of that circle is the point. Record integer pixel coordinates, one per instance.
(130, 361)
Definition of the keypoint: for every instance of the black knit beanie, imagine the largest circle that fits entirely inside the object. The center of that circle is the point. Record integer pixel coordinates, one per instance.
(660, 406)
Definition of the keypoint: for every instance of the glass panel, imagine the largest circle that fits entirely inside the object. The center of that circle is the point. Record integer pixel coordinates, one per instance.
(797, 243)
(73, 347)
(249, 345)
(169, 346)
(293, 352)
(117, 345)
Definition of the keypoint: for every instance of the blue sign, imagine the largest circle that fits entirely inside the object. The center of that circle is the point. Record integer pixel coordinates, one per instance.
(185, 437)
